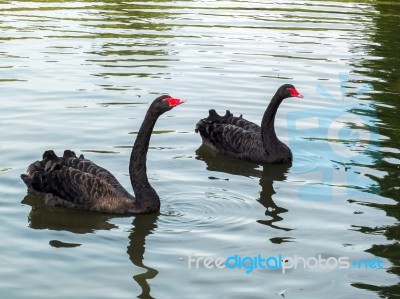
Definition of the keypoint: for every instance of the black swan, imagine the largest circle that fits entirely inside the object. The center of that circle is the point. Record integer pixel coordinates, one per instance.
(74, 182)
(239, 138)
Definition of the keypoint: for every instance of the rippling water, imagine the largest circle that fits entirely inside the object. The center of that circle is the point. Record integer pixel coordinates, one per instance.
(81, 75)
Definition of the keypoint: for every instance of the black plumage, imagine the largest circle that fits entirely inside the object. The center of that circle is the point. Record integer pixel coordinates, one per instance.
(76, 182)
(239, 138)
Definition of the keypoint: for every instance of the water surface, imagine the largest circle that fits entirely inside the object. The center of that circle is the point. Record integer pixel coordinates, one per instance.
(80, 75)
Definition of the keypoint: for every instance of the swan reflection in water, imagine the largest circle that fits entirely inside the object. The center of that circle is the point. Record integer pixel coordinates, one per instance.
(268, 175)
(83, 222)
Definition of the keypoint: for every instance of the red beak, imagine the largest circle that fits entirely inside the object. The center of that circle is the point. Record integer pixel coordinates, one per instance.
(295, 93)
(174, 102)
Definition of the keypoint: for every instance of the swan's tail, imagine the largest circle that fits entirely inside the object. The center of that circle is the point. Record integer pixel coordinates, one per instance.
(206, 125)
(38, 173)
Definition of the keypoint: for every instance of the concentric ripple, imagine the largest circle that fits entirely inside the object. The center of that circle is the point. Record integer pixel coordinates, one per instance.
(309, 164)
(203, 211)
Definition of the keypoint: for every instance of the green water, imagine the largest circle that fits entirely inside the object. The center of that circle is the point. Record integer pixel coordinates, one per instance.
(80, 75)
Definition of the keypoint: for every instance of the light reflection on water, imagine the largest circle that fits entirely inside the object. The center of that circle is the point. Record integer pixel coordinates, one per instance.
(80, 75)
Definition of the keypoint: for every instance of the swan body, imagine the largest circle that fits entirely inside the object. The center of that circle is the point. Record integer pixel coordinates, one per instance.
(237, 137)
(76, 182)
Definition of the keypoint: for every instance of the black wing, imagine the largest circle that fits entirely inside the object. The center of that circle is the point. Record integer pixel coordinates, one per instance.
(74, 179)
(230, 134)
(228, 119)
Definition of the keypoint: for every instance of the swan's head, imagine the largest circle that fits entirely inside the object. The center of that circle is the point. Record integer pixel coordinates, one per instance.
(288, 90)
(165, 103)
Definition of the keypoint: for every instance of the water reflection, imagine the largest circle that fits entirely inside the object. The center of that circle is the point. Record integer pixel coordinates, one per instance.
(81, 222)
(144, 50)
(268, 175)
(61, 219)
(386, 84)
(143, 226)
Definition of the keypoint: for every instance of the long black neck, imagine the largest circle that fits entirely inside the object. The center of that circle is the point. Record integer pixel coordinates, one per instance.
(268, 134)
(137, 164)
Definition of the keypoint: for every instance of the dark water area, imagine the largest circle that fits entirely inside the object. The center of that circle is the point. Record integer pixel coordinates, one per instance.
(80, 75)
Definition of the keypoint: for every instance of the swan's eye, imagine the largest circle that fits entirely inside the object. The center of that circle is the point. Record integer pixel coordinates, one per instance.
(173, 101)
(294, 93)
